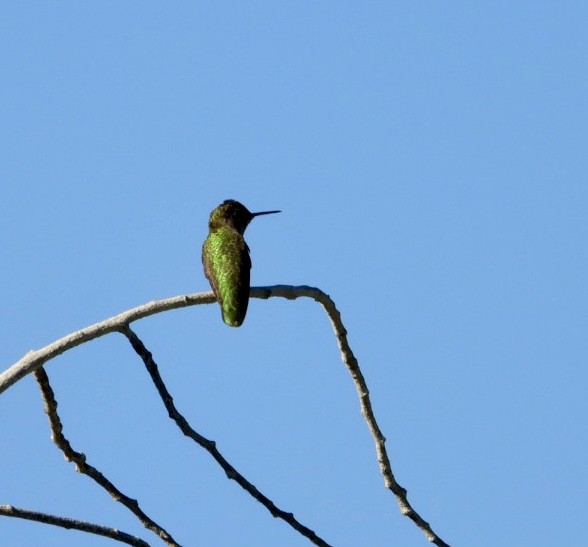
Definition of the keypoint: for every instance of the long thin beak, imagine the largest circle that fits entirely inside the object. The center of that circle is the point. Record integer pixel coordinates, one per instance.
(265, 213)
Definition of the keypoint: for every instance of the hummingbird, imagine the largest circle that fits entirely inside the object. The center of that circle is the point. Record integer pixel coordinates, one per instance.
(226, 261)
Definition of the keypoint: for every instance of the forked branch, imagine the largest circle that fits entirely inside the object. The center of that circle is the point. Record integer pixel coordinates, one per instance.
(35, 359)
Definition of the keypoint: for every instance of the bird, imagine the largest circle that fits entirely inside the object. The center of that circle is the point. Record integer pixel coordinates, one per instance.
(226, 260)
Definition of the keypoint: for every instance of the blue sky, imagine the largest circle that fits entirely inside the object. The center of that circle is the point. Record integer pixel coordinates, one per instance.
(429, 160)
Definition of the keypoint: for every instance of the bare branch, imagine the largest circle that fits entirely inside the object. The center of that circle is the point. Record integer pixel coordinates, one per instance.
(34, 359)
(79, 459)
(352, 365)
(210, 446)
(69, 523)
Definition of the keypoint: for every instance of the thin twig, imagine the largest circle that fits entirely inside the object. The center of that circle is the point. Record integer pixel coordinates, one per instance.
(50, 406)
(210, 446)
(287, 291)
(75, 524)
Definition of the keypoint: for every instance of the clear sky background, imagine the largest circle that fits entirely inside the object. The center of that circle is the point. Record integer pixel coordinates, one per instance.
(430, 162)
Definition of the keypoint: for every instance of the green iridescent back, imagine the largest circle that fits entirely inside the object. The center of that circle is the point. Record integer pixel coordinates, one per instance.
(226, 261)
